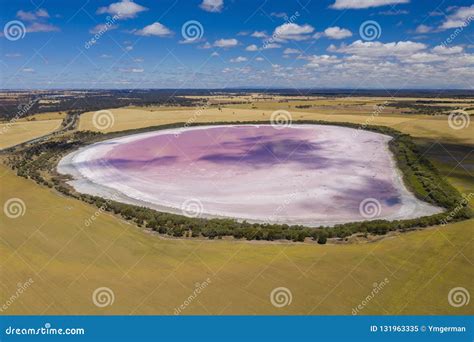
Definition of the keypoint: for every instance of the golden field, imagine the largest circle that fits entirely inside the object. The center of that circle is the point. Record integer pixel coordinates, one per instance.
(68, 260)
(148, 274)
(21, 131)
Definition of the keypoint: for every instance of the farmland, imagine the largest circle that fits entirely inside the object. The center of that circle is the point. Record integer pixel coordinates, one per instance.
(68, 259)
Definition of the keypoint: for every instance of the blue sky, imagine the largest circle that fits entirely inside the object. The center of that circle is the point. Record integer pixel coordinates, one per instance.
(239, 43)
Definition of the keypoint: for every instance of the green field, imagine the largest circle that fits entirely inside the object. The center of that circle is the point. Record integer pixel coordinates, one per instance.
(148, 274)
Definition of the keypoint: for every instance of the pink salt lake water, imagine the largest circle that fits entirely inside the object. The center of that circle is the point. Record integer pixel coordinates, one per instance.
(303, 174)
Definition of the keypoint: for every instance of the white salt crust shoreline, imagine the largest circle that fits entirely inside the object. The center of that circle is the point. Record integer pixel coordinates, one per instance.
(84, 182)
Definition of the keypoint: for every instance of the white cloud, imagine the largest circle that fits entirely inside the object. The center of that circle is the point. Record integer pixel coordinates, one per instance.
(214, 54)
(155, 29)
(394, 12)
(278, 14)
(317, 61)
(124, 9)
(378, 49)
(38, 21)
(460, 18)
(239, 59)
(292, 31)
(423, 29)
(133, 70)
(206, 45)
(337, 33)
(271, 46)
(28, 70)
(289, 51)
(423, 57)
(252, 47)
(443, 50)
(42, 27)
(357, 4)
(102, 28)
(13, 55)
(259, 59)
(225, 43)
(31, 16)
(259, 34)
(212, 5)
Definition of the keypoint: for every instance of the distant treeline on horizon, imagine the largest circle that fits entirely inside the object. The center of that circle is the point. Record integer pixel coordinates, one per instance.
(23, 103)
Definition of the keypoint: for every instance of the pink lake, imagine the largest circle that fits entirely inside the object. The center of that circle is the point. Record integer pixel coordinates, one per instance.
(303, 174)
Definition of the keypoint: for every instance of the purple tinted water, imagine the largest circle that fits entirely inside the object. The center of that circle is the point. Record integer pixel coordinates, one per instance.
(306, 174)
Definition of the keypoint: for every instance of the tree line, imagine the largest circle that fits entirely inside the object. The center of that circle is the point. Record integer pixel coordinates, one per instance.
(38, 162)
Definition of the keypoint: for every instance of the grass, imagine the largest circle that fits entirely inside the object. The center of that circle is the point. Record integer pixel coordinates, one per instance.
(21, 131)
(149, 275)
(68, 260)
